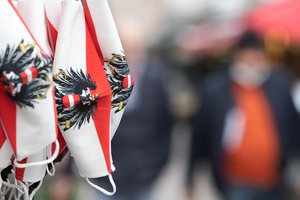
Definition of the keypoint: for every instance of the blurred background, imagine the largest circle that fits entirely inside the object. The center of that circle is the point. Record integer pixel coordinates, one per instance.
(214, 113)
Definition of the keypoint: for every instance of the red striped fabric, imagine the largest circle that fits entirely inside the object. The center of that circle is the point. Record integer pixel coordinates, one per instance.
(29, 74)
(26, 137)
(52, 10)
(8, 109)
(128, 82)
(52, 35)
(102, 116)
(88, 141)
(109, 48)
(20, 172)
(71, 100)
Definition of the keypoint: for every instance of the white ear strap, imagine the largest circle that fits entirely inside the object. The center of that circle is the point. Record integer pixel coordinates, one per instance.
(50, 172)
(11, 185)
(26, 191)
(16, 190)
(4, 190)
(103, 190)
(45, 162)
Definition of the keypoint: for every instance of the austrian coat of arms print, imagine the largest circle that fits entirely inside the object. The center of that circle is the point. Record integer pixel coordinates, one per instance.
(24, 74)
(76, 98)
(120, 80)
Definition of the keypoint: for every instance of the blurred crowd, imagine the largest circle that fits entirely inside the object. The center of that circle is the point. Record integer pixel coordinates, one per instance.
(215, 113)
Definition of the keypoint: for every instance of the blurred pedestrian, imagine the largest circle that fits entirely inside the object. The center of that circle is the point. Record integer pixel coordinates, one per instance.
(247, 126)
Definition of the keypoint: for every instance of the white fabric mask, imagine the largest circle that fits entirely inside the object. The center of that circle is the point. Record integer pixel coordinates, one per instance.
(83, 95)
(27, 90)
(108, 44)
(249, 76)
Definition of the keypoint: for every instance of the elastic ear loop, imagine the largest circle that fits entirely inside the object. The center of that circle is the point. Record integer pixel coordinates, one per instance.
(51, 172)
(15, 188)
(12, 193)
(10, 185)
(25, 192)
(45, 162)
(18, 192)
(4, 191)
(103, 190)
(1, 189)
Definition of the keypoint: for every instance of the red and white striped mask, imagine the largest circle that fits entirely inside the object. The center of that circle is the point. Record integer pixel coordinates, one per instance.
(83, 94)
(53, 11)
(33, 14)
(109, 48)
(112, 49)
(26, 90)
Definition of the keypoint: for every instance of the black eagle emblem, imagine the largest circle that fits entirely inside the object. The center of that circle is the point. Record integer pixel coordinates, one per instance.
(120, 81)
(24, 74)
(76, 98)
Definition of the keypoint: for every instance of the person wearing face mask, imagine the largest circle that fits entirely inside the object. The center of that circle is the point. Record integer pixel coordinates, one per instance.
(247, 126)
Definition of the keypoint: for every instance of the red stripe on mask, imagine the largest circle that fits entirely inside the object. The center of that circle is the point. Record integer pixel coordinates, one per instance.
(20, 172)
(102, 115)
(8, 114)
(128, 81)
(53, 35)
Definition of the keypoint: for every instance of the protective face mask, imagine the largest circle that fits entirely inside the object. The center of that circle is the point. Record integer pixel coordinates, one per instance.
(109, 48)
(27, 96)
(249, 76)
(34, 168)
(53, 11)
(33, 14)
(83, 95)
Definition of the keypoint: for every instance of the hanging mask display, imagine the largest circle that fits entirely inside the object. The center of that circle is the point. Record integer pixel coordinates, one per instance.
(64, 82)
